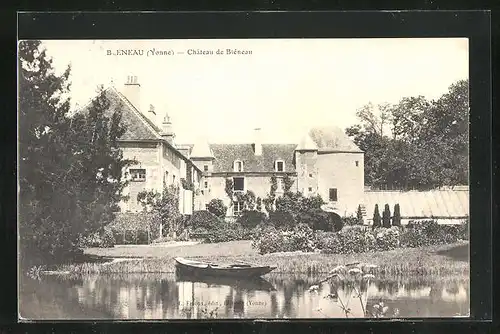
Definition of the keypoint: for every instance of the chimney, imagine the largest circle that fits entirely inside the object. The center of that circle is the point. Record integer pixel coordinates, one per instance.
(257, 144)
(132, 91)
(167, 130)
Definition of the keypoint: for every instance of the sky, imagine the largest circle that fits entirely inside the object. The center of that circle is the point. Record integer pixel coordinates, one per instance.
(284, 87)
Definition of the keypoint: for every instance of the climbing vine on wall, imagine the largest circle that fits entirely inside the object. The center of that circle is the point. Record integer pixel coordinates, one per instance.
(287, 183)
(229, 190)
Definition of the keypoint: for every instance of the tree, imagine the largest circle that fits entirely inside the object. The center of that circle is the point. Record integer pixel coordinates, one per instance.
(426, 147)
(376, 218)
(166, 207)
(396, 219)
(70, 165)
(386, 217)
(217, 207)
(359, 215)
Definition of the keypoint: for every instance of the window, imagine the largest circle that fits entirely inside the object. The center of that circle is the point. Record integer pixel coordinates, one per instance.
(279, 166)
(333, 194)
(206, 207)
(206, 184)
(138, 174)
(238, 166)
(238, 184)
(166, 177)
(205, 168)
(310, 189)
(357, 163)
(310, 175)
(237, 207)
(173, 179)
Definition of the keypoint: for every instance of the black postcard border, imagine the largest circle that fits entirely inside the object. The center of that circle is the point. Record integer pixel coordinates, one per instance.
(176, 25)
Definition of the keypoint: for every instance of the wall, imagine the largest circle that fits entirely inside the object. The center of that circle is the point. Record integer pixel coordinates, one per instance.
(339, 170)
(260, 185)
(307, 165)
(148, 157)
(157, 159)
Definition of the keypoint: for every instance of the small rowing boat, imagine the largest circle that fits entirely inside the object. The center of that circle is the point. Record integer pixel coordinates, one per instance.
(240, 270)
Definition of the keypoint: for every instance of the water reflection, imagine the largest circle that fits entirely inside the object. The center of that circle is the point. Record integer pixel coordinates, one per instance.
(280, 296)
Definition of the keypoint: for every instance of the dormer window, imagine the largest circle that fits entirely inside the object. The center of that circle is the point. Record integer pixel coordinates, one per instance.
(279, 166)
(238, 166)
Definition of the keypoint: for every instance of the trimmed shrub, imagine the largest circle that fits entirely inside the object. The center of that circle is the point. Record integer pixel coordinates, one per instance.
(204, 219)
(386, 217)
(376, 218)
(351, 239)
(216, 206)
(429, 232)
(359, 216)
(272, 240)
(396, 219)
(281, 219)
(226, 231)
(269, 240)
(387, 238)
(251, 218)
(318, 220)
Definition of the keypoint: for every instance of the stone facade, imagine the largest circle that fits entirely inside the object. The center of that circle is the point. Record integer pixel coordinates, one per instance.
(324, 162)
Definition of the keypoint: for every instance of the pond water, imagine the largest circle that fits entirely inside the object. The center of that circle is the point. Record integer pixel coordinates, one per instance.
(163, 296)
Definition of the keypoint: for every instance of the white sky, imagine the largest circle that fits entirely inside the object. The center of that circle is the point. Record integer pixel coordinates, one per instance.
(284, 87)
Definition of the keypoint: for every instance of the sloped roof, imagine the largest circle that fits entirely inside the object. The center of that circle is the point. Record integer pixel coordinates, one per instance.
(434, 203)
(226, 154)
(306, 144)
(332, 138)
(138, 126)
(201, 149)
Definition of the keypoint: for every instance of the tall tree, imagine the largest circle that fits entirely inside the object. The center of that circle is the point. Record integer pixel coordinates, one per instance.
(69, 165)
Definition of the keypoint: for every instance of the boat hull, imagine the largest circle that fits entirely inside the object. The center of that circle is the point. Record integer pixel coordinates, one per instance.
(237, 272)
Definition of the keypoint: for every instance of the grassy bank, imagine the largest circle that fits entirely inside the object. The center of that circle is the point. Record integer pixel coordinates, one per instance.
(432, 260)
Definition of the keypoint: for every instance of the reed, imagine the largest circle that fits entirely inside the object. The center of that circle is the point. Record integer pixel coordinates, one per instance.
(409, 261)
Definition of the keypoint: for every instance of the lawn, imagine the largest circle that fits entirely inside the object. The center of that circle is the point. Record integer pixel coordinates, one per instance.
(435, 260)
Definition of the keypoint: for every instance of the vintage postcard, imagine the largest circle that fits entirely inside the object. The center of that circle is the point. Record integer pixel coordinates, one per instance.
(243, 178)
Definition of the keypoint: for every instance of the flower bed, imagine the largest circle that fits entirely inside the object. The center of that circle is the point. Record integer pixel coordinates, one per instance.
(357, 239)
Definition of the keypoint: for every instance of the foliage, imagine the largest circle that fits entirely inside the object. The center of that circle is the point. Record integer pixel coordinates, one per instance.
(463, 230)
(353, 278)
(429, 232)
(229, 187)
(386, 217)
(217, 207)
(165, 205)
(359, 215)
(70, 165)
(376, 218)
(204, 220)
(387, 238)
(105, 239)
(293, 208)
(251, 218)
(396, 219)
(350, 220)
(287, 183)
(226, 231)
(187, 184)
(416, 143)
(271, 240)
